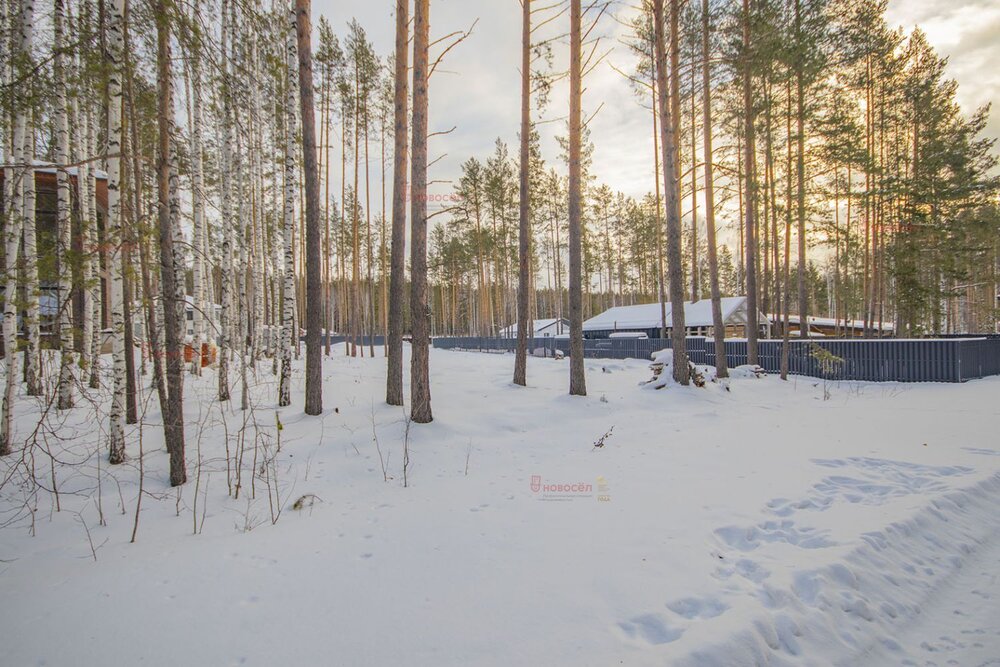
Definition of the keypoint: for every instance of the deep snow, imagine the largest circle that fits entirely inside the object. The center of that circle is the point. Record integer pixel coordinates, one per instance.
(760, 525)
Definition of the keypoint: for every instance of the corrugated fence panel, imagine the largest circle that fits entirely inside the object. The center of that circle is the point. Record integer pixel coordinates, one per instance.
(918, 360)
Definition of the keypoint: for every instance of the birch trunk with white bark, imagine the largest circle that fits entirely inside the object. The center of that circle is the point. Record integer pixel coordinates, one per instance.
(114, 56)
(288, 278)
(14, 179)
(226, 260)
(67, 356)
(201, 308)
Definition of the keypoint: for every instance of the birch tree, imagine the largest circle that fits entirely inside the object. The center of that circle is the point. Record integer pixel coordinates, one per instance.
(226, 258)
(14, 178)
(202, 306)
(288, 224)
(115, 67)
(29, 261)
(67, 351)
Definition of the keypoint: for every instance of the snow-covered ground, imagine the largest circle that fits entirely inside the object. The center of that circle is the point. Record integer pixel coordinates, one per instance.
(761, 525)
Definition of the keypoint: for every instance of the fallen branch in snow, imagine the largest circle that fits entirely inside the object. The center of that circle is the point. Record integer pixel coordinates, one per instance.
(383, 461)
(90, 538)
(308, 500)
(600, 441)
(406, 449)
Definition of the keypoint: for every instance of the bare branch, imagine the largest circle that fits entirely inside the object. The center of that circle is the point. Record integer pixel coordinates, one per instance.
(464, 36)
(436, 134)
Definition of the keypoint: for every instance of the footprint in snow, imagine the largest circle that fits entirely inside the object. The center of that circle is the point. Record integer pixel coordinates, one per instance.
(650, 629)
(693, 608)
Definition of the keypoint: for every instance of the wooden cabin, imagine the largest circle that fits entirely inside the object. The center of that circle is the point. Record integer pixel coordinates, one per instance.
(820, 327)
(46, 233)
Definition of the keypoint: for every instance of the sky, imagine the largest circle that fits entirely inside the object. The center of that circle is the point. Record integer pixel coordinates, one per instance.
(476, 89)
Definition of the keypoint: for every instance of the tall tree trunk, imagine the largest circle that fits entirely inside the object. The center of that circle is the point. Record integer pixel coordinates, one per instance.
(326, 104)
(167, 214)
(13, 183)
(314, 278)
(130, 238)
(288, 226)
(202, 306)
(718, 326)
(383, 256)
(67, 351)
(787, 275)
(94, 260)
(397, 261)
(356, 310)
(243, 274)
(661, 287)
(524, 229)
(577, 372)
(695, 272)
(115, 62)
(749, 161)
(369, 245)
(344, 307)
(671, 186)
(420, 386)
(85, 324)
(33, 353)
(226, 259)
(128, 242)
(800, 172)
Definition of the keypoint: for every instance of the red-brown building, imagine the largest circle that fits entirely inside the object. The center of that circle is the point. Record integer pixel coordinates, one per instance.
(46, 234)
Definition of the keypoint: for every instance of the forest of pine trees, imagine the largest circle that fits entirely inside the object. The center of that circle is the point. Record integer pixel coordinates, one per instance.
(258, 170)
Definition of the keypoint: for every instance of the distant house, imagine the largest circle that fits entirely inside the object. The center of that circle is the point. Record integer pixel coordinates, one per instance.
(828, 326)
(647, 318)
(46, 232)
(544, 328)
(139, 319)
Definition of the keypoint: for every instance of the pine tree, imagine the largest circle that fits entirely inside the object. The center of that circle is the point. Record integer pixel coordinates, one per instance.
(420, 390)
(577, 375)
(171, 277)
(314, 289)
(524, 232)
(671, 187)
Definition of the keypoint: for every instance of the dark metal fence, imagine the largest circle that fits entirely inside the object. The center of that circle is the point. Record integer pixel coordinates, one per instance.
(336, 339)
(876, 360)
(607, 348)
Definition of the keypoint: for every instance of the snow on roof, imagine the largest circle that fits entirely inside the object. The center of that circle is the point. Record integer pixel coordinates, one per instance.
(540, 325)
(831, 322)
(647, 315)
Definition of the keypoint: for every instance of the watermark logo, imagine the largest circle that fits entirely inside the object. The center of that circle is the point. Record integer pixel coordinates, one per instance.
(435, 198)
(536, 483)
(562, 490)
